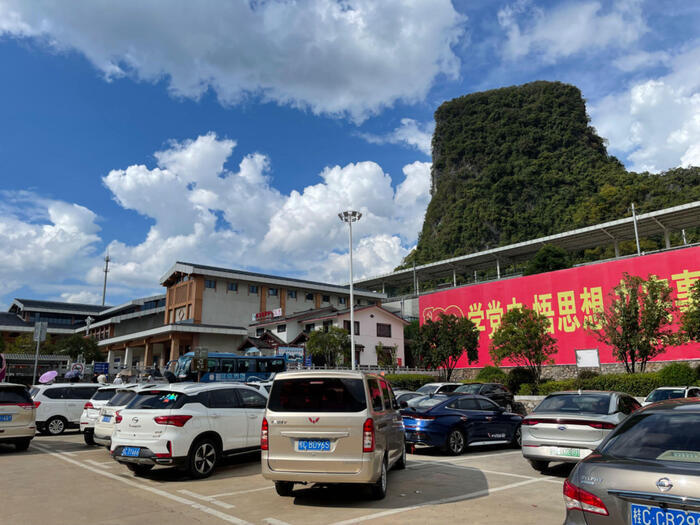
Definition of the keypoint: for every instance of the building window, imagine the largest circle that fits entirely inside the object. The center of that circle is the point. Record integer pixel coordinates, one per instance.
(232, 287)
(383, 330)
(327, 325)
(272, 291)
(342, 300)
(281, 328)
(309, 327)
(309, 297)
(253, 289)
(346, 327)
(210, 283)
(326, 298)
(259, 332)
(292, 294)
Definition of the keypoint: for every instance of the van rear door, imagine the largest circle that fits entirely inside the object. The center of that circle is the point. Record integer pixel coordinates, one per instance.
(315, 424)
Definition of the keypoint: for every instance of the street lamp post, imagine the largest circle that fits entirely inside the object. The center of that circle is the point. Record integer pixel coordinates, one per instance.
(351, 216)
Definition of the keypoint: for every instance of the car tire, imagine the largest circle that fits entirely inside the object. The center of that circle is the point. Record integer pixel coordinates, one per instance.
(401, 463)
(456, 442)
(539, 466)
(202, 458)
(517, 440)
(284, 488)
(378, 488)
(89, 438)
(55, 426)
(138, 470)
(22, 444)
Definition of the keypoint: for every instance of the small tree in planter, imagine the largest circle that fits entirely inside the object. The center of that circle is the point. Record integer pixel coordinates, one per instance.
(333, 346)
(690, 318)
(441, 343)
(387, 356)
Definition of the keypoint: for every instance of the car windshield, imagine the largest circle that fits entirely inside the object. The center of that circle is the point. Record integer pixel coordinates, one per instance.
(427, 389)
(104, 394)
(576, 404)
(122, 398)
(663, 394)
(469, 389)
(155, 400)
(321, 394)
(661, 436)
(429, 402)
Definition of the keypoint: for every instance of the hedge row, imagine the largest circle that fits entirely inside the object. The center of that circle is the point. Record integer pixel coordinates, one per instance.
(409, 381)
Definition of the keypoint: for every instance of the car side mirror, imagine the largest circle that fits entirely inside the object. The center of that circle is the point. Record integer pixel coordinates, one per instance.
(403, 404)
(501, 409)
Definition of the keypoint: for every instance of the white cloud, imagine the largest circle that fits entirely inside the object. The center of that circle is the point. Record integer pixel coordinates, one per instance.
(83, 297)
(569, 28)
(641, 59)
(655, 123)
(410, 132)
(352, 57)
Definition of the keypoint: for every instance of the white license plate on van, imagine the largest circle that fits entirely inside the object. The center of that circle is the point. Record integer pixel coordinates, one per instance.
(313, 445)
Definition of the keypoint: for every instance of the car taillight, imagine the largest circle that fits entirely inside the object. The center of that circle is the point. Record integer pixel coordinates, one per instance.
(421, 416)
(264, 432)
(176, 421)
(36, 404)
(600, 425)
(117, 416)
(88, 405)
(368, 436)
(576, 498)
(169, 453)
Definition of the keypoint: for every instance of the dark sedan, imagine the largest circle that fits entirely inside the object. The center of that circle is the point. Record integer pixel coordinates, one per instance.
(494, 391)
(647, 471)
(454, 422)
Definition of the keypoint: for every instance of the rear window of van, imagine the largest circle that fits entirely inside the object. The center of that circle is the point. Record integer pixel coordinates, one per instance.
(318, 395)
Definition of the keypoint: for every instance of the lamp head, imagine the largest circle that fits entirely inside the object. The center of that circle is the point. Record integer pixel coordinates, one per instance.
(350, 216)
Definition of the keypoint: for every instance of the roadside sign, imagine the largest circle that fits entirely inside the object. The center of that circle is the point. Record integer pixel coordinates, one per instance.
(40, 331)
(308, 361)
(101, 368)
(80, 367)
(200, 361)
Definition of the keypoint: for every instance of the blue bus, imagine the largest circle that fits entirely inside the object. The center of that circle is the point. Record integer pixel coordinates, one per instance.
(224, 366)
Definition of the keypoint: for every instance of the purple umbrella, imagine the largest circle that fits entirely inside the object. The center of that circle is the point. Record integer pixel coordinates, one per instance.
(47, 377)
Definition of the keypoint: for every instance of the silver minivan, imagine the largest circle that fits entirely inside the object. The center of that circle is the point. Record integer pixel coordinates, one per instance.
(331, 427)
(17, 415)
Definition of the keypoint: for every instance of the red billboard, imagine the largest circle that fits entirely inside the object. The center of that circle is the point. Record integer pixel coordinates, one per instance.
(568, 298)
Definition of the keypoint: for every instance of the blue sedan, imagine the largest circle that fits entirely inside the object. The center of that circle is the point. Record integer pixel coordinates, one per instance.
(454, 422)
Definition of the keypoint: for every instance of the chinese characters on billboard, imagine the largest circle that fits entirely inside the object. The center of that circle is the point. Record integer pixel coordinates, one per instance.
(569, 298)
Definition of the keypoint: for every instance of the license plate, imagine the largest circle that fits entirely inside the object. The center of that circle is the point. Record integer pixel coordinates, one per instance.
(307, 445)
(105, 419)
(566, 452)
(6, 418)
(649, 515)
(132, 452)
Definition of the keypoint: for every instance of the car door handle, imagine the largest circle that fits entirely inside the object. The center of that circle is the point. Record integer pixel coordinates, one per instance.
(216, 416)
(252, 416)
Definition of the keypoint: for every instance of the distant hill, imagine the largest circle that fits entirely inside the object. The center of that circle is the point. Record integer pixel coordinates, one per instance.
(522, 162)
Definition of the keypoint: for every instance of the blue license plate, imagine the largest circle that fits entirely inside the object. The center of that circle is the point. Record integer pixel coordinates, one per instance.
(6, 417)
(308, 445)
(649, 515)
(132, 452)
(105, 419)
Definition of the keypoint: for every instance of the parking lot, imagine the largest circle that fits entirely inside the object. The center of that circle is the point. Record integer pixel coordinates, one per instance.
(60, 480)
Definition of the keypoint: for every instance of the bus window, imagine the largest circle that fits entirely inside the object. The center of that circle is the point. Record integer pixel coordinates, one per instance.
(213, 365)
(245, 365)
(277, 365)
(228, 366)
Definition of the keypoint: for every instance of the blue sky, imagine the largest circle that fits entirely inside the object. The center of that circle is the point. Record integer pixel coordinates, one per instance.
(232, 133)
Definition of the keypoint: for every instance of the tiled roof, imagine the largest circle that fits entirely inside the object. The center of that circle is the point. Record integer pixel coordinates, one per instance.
(10, 319)
(55, 305)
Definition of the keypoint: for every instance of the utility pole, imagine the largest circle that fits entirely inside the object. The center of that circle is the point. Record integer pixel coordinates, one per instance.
(636, 233)
(349, 217)
(104, 286)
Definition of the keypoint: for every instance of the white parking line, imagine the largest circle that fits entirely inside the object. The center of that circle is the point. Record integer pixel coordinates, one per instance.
(476, 494)
(241, 492)
(467, 457)
(427, 464)
(100, 464)
(197, 506)
(273, 521)
(210, 499)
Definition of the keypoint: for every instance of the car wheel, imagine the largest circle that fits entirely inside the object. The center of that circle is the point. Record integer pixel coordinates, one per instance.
(89, 438)
(139, 470)
(456, 442)
(517, 438)
(378, 489)
(284, 488)
(539, 466)
(55, 426)
(202, 458)
(401, 463)
(22, 444)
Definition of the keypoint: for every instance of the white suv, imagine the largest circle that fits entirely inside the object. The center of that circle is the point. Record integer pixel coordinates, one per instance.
(104, 425)
(59, 406)
(91, 411)
(188, 425)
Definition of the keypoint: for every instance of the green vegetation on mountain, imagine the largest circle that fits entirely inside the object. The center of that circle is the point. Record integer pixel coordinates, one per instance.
(523, 162)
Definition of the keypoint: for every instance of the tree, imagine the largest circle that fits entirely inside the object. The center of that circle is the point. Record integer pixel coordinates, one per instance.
(76, 345)
(410, 336)
(332, 347)
(441, 343)
(523, 337)
(547, 259)
(387, 356)
(638, 323)
(690, 318)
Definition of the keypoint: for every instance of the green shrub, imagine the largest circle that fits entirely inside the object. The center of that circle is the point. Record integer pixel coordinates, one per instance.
(638, 385)
(518, 376)
(587, 374)
(409, 381)
(526, 389)
(491, 374)
(556, 386)
(677, 374)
